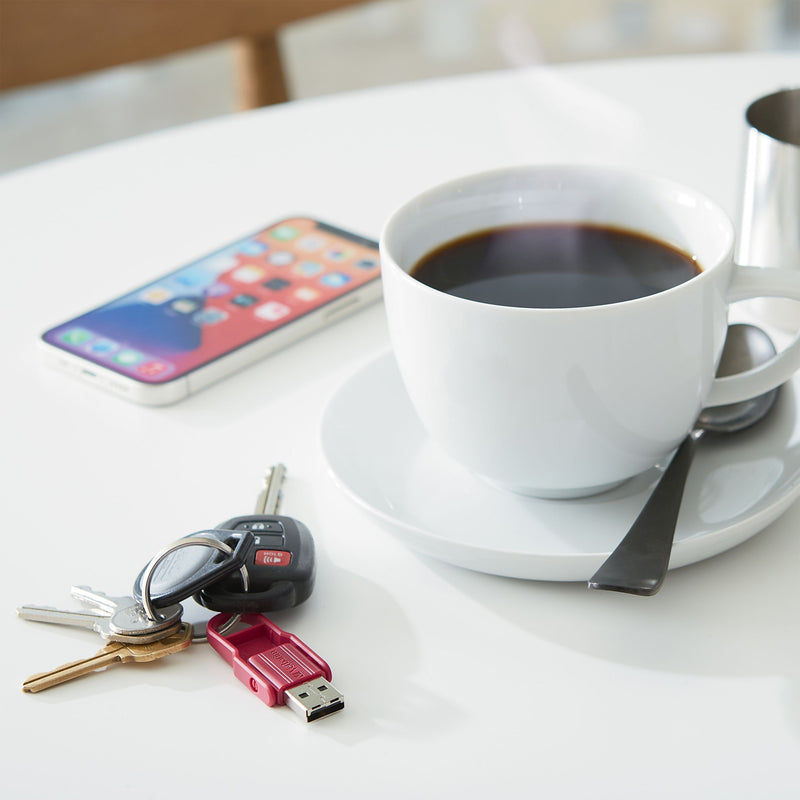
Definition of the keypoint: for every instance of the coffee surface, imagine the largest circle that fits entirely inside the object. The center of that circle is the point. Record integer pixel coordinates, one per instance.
(562, 265)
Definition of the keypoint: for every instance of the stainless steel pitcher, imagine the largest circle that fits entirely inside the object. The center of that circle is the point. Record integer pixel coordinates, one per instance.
(769, 234)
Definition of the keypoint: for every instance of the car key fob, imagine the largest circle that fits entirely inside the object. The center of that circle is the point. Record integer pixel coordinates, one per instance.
(280, 561)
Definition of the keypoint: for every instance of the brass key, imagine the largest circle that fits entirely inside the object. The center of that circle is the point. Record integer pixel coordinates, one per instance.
(112, 653)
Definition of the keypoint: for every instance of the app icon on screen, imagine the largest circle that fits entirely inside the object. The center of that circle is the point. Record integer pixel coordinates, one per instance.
(222, 261)
(218, 289)
(307, 269)
(311, 243)
(253, 247)
(210, 316)
(284, 233)
(338, 254)
(191, 277)
(335, 279)
(367, 263)
(272, 311)
(156, 295)
(276, 284)
(76, 336)
(102, 347)
(184, 305)
(306, 294)
(243, 300)
(151, 369)
(250, 273)
(280, 258)
(128, 357)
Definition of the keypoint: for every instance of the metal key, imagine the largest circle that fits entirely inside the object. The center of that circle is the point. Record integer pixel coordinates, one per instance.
(269, 499)
(281, 561)
(184, 573)
(118, 619)
(112, 653)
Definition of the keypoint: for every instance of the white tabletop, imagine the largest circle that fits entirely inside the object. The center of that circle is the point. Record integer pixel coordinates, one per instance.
(457, 683)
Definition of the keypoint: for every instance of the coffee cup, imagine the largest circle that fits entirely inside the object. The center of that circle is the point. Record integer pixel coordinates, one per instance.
(572, 399)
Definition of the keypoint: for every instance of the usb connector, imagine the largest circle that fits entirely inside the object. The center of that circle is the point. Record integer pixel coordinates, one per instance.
(314, 699)
(277, 667)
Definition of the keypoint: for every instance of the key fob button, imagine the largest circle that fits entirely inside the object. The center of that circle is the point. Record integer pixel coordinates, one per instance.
(272, 558)
(260, 526)
(270, 540)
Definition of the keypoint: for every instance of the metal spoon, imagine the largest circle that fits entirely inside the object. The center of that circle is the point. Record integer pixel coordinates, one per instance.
(640, 561)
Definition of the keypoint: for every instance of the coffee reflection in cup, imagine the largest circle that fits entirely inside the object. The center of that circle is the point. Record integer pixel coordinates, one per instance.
(554, 265)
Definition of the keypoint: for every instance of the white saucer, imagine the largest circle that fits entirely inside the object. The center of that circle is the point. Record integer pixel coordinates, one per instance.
(380, 455)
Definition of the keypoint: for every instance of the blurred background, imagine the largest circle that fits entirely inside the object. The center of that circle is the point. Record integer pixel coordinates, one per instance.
(321, 48)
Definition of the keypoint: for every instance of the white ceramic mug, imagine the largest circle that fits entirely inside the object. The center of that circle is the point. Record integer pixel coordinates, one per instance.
(565, 402)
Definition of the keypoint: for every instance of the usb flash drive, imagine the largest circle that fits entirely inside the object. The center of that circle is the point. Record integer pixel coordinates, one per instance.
(277, 666)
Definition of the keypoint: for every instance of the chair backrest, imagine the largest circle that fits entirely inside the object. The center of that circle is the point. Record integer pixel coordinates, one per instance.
(44, 40)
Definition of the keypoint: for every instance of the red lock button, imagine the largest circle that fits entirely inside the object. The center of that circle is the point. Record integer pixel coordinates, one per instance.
(273, 558)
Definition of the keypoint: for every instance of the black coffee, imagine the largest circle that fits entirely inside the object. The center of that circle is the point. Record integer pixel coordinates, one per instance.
(562, 265)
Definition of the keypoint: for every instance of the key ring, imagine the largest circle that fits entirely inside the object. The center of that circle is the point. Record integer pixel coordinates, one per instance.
(189, 541)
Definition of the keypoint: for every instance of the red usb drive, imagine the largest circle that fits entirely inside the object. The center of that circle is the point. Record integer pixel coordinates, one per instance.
(277, 666)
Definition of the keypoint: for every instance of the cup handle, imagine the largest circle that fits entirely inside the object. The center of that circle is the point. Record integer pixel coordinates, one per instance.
(749, 283)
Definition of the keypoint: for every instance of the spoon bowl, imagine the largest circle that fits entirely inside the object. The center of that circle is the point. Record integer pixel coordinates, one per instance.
(640, 561)
(746, 346)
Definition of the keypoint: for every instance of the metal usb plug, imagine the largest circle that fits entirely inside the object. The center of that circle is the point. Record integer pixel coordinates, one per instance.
(314, 699)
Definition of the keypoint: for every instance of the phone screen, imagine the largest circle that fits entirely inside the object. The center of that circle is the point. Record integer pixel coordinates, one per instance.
(222, 301)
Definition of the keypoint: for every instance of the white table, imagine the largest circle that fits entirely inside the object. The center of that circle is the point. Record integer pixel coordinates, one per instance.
(457, 683)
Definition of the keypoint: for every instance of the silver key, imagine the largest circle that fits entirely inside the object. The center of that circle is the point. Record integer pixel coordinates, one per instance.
(269, 499)
(127, 615)
(118, 619)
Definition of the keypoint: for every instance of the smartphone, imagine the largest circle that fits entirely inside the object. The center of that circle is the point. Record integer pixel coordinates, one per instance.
(191, 327)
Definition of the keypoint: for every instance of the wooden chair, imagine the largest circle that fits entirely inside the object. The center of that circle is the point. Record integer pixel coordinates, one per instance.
(44, 40)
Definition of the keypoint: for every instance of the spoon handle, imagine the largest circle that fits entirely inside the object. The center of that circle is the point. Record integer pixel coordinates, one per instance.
(639, 562)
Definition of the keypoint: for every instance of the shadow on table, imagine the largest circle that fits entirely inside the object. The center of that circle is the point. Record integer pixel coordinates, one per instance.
(377, 652)
(733, 615)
